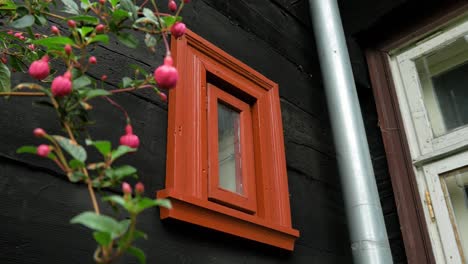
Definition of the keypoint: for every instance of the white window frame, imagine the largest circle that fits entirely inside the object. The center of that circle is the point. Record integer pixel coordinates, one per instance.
(431, 155)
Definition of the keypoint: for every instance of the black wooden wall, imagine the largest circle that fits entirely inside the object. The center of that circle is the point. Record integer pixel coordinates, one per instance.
(275, 38)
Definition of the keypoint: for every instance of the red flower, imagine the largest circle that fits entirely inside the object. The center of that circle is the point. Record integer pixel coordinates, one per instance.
(139, 188)
(92, 60)
(129, 139)
(43, 150)
(178, 29)
(40, 69)
(62, 85)
(39, 132)
(166, 75)
(126, 188)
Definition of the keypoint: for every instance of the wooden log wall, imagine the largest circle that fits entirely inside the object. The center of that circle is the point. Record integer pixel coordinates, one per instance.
(275, 38)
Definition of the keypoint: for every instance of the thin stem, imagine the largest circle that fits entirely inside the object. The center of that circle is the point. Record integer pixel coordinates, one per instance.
(163, 33)
(53, 15)
(91, 193)
(70, 133)
(22, 94)
(118, 106)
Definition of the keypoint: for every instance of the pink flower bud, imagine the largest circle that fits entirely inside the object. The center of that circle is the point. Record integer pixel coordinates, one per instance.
(92, 60)
(172, 6)
(71, 23)
(178, 29)
(43, 150)
(10, 32)
(39, 132)
(100, 28)
(102, 2)
(55, 30)
(163, 97)
(166, 75)
(129, 139)
(62, 85)
(68, 49)
(126, 188)
(18, 34)
(139, 188)
(31, 47)
(4, 60)
(40, 69)
(103, 77)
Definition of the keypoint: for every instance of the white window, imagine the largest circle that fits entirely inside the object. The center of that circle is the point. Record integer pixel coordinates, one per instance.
(431, 79)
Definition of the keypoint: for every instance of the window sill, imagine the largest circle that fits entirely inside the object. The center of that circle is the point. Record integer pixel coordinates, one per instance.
(214, 216)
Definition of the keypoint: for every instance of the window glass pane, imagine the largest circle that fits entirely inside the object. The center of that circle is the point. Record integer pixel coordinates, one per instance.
(444, 78)
(229, 149)
(456, 195)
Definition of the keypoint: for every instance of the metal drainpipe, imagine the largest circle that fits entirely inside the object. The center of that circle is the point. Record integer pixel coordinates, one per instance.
(369, 242)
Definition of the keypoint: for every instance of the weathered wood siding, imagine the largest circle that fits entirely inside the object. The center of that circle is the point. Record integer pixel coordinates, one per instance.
(275, 38)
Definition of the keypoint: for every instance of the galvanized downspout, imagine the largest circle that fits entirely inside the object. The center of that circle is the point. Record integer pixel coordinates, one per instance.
(369, 242)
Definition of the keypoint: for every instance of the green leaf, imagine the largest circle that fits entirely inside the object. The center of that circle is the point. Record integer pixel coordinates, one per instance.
(114, 2)
(138, 253)
(103, 238)
(116, 199)
(75, 150)
(7, 5)
(5, 78)
(87, 19)
(128, 5)
(56, 43)
(119, 14)
(25, 21)
(41, 20)
(95, 93)
(124, 171)
(27, 149)
(97, 222)
(145, 203)
(148, 13)
(76, 176)
(168, 21)
(85, 31)
(137, 234)
(128, 40)
(150, 41)
(126, 82)
(76, 164)
(71, 7)
(139, 69)
(100, 38)
(82, 81)
(121, 150)
(103, 146)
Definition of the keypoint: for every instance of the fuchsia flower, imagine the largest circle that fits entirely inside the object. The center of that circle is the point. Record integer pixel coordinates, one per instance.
(100, 28)
(172, 6)
(39, 132)
(55, 30)
(129, 139)
(71, 23)
(68, 49)
(163, 97)
(178, 29)
(92, 60)
(62, 85)
(126, 188)
(40, 69)
(166, 75)
(139, 188)
(43, 150)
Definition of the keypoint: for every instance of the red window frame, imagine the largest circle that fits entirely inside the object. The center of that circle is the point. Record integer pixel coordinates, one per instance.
(245, 174)
(263, 213)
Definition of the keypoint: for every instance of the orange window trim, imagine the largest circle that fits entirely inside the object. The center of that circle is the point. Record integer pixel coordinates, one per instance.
(246, 201)
(262, 212)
